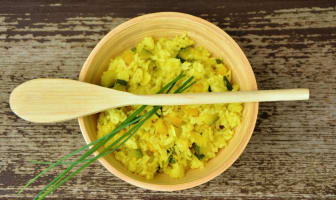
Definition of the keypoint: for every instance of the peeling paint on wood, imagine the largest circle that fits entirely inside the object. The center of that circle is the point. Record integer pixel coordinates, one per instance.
(292, 154)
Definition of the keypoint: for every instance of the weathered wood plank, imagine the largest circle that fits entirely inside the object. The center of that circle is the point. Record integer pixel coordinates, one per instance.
(292, 153)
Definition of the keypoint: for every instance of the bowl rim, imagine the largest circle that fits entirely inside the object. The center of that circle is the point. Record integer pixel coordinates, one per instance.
(236, 153)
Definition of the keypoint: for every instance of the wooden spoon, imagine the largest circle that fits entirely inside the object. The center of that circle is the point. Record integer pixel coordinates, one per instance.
(54, 100)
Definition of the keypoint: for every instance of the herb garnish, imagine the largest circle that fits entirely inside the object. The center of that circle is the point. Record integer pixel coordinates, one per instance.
(157, 114)
(135, 119)
(209, 89)
(171, 159)
(197, 152)
(181, 59)
(227, 83)
(121, 82)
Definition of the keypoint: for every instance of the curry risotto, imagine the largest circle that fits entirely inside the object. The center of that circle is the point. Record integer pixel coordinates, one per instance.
(177, 138)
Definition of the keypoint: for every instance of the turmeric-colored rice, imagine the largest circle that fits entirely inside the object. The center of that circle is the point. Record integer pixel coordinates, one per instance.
(179, 137)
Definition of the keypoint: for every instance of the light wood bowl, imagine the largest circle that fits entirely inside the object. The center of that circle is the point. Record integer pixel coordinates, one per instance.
(169, 24)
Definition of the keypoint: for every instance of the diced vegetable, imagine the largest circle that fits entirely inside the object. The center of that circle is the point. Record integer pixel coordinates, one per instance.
(192, 111)
(208, 118)
(161, 127)
(219, 61)
(148, 43)
(127, 56)
(194, 53)
(145, 54)
(108, 78)
(220, 69)
(198, 87)
(175, 120)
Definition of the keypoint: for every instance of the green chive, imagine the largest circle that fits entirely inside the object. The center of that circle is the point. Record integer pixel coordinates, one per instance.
(59, 180)
(171, 159)
(227, 83)
(158, 115)
(181, 59)
(188, 86)
(103, 139)
(197, 151)
(184, 84)
(121, 82)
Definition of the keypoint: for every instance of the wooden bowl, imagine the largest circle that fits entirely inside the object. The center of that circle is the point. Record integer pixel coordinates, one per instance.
(168, 24)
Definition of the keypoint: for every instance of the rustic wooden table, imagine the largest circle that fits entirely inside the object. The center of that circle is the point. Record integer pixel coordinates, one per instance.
(292, 154)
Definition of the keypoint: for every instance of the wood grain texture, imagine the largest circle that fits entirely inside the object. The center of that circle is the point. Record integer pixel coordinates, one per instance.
(292, 154)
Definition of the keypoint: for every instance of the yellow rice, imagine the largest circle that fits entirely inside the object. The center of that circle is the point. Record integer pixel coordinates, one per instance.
(183, 137)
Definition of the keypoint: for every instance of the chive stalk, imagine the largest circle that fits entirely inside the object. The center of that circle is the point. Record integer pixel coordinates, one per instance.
(133, 120)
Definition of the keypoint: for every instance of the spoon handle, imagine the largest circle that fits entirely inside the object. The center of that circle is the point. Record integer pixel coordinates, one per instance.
(54, 100)
(225, 97)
